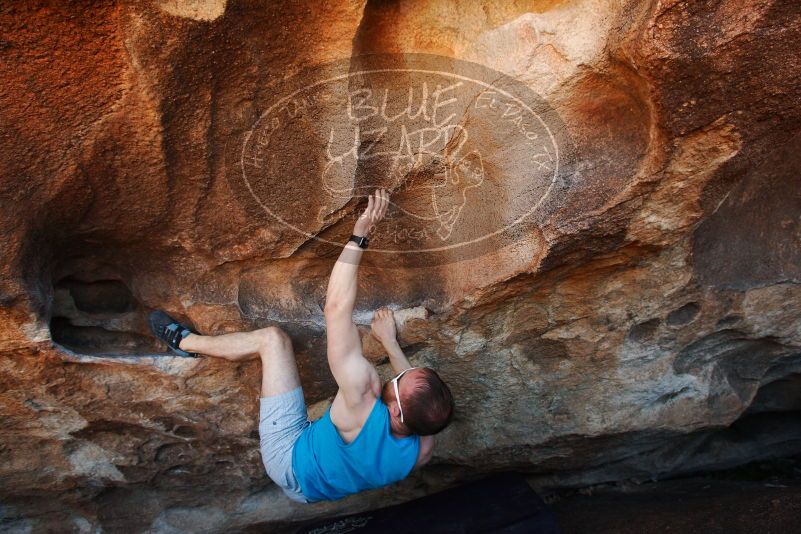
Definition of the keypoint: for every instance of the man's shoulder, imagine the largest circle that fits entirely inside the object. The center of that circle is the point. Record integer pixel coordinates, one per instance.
(362, 386)
(349, 414)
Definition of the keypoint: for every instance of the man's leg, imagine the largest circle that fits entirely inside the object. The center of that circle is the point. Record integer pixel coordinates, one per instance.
(278, 367)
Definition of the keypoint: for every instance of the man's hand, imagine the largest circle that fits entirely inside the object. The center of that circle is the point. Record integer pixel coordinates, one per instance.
(376, 208)
(383, 326)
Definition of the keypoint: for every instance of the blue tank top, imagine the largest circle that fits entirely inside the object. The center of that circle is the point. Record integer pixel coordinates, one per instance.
(327, 468)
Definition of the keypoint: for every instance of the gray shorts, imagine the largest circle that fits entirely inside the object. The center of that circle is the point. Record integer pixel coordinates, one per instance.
(282, 418)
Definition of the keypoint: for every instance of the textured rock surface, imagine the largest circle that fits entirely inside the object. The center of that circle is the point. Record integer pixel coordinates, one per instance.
(649, 326)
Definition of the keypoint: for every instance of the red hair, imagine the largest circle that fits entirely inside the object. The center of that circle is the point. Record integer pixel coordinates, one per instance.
(429, 408)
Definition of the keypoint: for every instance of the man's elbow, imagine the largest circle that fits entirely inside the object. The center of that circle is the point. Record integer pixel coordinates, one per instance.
(421, 461)
(426, 450)
(335, 308)
(427, 457)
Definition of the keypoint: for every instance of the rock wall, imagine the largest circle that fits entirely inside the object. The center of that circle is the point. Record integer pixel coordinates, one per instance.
(646, 324)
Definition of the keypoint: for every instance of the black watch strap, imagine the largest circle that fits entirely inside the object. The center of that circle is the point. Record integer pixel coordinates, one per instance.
(361, 241)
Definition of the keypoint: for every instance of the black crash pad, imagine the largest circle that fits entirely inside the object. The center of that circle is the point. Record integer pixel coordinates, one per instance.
(502, 503)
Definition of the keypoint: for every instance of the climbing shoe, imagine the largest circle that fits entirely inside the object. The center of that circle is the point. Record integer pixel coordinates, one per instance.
(170, 331)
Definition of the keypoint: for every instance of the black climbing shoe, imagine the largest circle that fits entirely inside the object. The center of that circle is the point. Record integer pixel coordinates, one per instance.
(170, 331)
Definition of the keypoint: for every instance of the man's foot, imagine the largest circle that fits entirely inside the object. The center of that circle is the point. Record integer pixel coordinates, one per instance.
(170, 331)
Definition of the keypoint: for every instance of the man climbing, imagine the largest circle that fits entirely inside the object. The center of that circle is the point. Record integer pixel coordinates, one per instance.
(371, 435)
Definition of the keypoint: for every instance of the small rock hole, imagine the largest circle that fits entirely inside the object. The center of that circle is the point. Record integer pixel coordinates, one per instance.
(643, 331)
(683, 315)
(99, 317)
(99, 297)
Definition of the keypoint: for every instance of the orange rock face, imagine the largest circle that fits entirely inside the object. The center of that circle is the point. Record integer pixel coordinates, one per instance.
(595, 239)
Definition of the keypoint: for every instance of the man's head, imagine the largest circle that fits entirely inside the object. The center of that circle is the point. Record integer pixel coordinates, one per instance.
(425, 401)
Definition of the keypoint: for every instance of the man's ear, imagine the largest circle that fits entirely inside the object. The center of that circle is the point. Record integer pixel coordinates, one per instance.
(394, 409)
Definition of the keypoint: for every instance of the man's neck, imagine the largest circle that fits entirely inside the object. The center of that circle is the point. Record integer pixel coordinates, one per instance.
(397, 429)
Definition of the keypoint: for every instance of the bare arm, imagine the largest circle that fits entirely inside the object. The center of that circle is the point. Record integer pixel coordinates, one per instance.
(352, 372)
(426, 451)
(383, 328)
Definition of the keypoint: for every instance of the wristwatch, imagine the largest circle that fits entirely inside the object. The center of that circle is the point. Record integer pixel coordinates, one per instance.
(361, 241)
